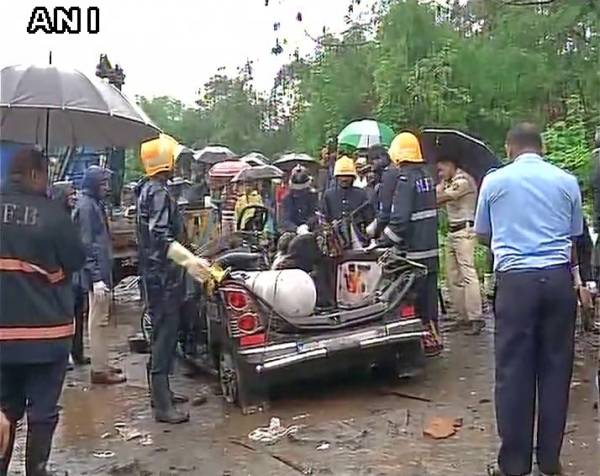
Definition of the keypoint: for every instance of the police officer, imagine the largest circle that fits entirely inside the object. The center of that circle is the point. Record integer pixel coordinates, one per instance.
(458, 193)
(531, 212)
(159, 226)
(40, 249)
(413, 228)
(344, 200)
(299, 206)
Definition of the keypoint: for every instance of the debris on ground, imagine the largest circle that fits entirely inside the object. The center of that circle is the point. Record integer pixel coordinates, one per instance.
(323, 446)
(103, 454)
(440, 428)
(273, 433)
(199, 400)
(128, 290)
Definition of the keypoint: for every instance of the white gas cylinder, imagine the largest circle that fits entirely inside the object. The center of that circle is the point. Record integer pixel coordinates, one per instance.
(291, 292)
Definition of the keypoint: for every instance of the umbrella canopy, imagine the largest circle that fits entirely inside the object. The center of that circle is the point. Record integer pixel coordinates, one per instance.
(228, 169)
(62, 107)
(366, 133)
(470, 154)
(255, 158)
(289, 161)
(260, 172)
(213, 154)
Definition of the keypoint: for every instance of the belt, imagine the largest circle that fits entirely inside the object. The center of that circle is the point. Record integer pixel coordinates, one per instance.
(460, 226)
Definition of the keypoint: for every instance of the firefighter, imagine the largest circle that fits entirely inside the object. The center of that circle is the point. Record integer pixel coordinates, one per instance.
(159, 226)
(413, 228)
(344, 200)
(385, 175)
(40, 249)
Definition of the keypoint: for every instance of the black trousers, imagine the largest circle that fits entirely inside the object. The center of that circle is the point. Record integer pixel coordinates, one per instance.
(534, 345)
(164, 308)
(427, 298)
(81, 305)
(35, 389)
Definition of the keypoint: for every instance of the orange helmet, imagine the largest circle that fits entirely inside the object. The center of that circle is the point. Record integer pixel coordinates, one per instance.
(405, 148)
(158, 155)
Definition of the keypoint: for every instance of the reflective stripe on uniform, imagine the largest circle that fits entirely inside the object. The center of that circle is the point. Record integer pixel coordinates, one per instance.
(422, 254)
(391, 235)
(37, 333)
(423, 215)
(12, 264)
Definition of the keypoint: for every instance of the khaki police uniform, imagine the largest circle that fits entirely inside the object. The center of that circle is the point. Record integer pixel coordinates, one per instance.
(460, 196)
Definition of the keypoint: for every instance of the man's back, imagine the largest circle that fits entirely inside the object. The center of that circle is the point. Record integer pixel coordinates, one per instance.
(39, 250)
(531, 209)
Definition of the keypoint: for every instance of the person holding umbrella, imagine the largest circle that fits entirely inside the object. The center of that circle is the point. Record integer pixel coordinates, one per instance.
(458, 193)
(40, 250)
(300, 205)
(162, 260)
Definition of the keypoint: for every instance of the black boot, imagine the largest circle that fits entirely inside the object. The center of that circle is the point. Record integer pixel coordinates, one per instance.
(164, 411)
(39, 444)
(5, 460)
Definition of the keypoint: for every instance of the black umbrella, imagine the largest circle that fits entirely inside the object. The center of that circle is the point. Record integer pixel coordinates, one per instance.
(470, 154)
(214, 154)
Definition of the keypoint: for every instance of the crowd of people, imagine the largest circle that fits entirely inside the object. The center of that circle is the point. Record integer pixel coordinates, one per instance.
(54, 265)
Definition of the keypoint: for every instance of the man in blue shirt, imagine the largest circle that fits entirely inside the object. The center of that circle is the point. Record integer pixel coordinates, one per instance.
(531, 210)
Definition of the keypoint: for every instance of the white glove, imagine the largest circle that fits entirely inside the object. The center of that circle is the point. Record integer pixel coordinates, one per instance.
(302, 229)
(371, 228)
(198, 268)
(100, 288)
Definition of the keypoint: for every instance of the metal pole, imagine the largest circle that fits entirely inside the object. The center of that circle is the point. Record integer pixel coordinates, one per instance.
(48, 113)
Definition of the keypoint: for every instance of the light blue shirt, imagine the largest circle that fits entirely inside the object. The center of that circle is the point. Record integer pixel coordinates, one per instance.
(531, 209)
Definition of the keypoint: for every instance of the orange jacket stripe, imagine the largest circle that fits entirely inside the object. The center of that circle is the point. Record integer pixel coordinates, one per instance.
(11, 264)
(36, 333)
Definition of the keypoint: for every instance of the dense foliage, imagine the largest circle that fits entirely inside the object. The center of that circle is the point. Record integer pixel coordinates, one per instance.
(478, 67)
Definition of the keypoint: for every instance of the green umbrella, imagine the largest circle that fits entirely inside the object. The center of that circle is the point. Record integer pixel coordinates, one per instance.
(366, 133)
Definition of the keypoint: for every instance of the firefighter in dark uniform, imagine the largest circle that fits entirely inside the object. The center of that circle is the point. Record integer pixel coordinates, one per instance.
(386, 175)
(159, 225)
(346, 201)
(412, 228)
(40, 249)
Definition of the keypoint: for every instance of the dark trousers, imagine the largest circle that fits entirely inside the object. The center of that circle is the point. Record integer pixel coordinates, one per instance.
(165, 314)
(81, 305)
(34, 388)
(534, 339)
(427, 298)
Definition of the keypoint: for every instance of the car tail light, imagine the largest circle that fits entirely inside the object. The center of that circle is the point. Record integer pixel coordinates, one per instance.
(248, 322)
(255, 339)
(407, 311)
(236, 300)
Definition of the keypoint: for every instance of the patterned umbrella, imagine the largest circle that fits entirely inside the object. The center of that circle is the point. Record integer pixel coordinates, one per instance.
(366, 133)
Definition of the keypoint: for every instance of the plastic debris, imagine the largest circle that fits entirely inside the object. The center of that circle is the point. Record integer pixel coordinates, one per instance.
(323, 446)
(128, 290)
(273, 433)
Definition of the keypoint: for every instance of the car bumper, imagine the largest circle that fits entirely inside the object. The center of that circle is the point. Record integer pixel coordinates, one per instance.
(265, 359)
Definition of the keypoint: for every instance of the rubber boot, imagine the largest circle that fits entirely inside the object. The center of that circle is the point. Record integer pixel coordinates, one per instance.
(5, 460)
(39, 444)
(175, 397)
(164, 411)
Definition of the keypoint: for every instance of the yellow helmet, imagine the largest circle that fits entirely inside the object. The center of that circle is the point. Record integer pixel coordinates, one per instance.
(158, 155)
(406, 148)
(344, 166)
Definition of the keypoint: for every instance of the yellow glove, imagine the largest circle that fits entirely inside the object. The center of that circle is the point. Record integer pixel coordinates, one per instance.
(198, 268)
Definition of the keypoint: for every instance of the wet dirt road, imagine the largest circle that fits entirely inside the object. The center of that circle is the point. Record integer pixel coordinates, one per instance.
(350, 426)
